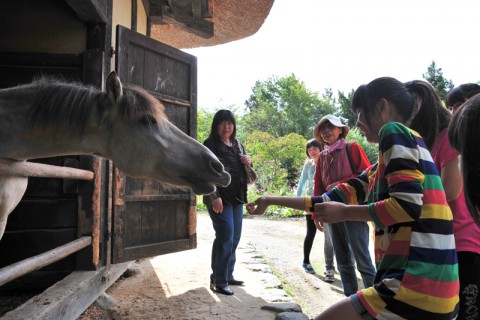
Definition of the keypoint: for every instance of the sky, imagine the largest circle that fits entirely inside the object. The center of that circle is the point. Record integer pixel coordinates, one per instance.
(341, 44)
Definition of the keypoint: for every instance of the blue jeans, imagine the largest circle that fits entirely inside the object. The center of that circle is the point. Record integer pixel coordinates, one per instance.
(350, 238)
(228, 230)
(328, 248)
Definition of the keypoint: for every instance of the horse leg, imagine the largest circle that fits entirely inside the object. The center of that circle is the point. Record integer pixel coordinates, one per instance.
(12, 189)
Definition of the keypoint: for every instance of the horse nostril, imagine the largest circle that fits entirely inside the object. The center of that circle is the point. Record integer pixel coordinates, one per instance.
(217, 166)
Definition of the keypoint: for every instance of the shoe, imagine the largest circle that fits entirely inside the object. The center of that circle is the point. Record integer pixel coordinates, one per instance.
(308, 268)
(221, 289)
(327, 269)
(235, 282)
(330, 275)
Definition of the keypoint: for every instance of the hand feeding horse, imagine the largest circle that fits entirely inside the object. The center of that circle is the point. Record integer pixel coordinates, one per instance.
(124, 124)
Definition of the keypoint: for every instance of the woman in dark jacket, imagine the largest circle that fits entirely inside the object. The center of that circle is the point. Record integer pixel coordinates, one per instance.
(225, 205)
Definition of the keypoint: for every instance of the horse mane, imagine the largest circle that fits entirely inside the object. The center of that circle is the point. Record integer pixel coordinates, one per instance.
(60, 102)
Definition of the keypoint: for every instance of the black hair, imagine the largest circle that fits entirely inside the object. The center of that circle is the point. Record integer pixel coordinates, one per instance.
(431, 117)
(313, 143)
(416, 102)
(318, 136)
(367, 96)
(464, 135)
(461, 93)
(222, 115)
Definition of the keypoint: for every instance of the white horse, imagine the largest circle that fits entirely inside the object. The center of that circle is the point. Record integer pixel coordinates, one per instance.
(125, 124)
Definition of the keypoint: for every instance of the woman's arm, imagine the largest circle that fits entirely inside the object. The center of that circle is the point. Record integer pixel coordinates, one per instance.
(318, 188)
(303, 180)
(332, 212)
(400, 161)
(452, 179)
(259, 206)
(359, 158)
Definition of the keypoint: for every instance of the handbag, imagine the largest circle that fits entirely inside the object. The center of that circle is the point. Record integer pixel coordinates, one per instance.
(251, 175)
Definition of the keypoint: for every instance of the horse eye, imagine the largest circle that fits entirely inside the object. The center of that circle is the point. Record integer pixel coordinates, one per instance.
(148, 120)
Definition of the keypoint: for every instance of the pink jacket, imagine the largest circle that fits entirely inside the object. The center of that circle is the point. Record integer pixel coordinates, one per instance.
(334, 167)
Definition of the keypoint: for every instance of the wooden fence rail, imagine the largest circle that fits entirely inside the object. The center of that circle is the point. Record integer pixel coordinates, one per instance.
(32, 169)
(37, 262)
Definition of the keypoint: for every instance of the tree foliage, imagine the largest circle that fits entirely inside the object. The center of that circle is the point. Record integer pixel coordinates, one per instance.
(434, 76)
(371, 149)
(204, 124)
(278, 161)
(280, 106)
(344, 111)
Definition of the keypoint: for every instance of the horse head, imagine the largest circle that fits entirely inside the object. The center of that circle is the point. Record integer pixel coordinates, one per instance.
(144, 144)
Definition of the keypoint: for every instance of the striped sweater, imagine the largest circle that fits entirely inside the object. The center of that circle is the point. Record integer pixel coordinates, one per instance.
(417, 272)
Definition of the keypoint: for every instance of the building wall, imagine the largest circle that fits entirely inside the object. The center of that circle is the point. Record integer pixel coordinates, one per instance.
(122, 15)
(40, 26)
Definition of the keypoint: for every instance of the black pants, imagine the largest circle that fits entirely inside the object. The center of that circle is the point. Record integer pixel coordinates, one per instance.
(469, 273)
(309, 237)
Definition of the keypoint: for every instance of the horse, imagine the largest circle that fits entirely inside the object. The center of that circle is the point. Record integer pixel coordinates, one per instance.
(124, 123)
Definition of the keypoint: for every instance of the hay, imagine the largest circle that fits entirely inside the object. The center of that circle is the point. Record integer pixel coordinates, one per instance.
(233, 20)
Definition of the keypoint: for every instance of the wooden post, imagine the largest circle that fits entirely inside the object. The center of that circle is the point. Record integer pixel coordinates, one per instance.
(31, 169)
(23, 267)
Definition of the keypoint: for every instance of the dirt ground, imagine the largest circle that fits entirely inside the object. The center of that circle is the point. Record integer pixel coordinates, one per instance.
(176, 286)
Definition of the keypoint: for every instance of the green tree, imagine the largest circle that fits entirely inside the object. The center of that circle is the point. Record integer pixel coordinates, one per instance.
(434, 76)
(284, 105)
(371, 149)
(204, 124)
(344, 111)
(277, 161)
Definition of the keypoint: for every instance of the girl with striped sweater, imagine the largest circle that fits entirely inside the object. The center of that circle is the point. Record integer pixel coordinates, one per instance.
(417, 272)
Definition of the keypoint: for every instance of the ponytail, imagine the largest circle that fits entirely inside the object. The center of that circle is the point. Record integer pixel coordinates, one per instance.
(428, 116)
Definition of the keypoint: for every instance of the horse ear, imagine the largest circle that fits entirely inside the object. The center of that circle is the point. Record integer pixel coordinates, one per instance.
(114, 87)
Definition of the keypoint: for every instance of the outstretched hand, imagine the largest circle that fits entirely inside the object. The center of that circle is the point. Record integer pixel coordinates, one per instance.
(257, 207)
(329, 212)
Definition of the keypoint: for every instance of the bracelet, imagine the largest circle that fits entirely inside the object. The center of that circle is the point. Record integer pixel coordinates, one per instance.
(308, 204)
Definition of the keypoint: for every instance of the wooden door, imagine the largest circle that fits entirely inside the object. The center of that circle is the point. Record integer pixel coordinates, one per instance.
(150, 219)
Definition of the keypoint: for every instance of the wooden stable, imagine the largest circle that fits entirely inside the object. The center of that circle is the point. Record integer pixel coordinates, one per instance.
(112, 219)
(125, 218)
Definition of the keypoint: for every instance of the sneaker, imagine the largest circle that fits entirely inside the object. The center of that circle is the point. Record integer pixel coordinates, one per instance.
(308, 268)
(330, 275)
(329, 269)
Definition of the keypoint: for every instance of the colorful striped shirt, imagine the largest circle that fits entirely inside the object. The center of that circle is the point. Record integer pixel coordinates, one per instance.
(417, 272)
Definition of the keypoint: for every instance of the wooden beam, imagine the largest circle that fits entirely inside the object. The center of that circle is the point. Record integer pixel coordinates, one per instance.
(90, 10)
(70, 297)
(32, 169)
(199, 27)
(37, 262)
(187, 15)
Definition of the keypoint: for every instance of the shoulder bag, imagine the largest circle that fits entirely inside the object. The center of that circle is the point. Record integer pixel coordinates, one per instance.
(251, 175)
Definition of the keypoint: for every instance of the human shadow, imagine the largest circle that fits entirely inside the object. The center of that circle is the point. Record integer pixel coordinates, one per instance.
(166, 288)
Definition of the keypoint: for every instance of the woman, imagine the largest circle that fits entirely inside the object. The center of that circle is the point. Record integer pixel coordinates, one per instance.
(339, 162)
(305, 184)
(225, 205)
(464, 135)
(432, 123)
(458, 95)
(417, 275)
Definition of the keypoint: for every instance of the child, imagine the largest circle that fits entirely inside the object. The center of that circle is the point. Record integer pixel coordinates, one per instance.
(305, 184)
(458, 95)
(339, 162)
(432, 122)
(417, 275)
